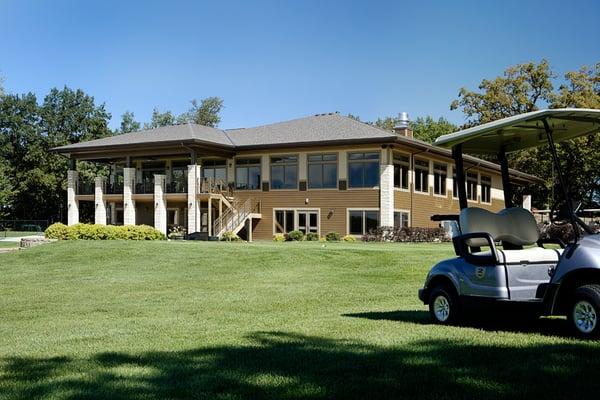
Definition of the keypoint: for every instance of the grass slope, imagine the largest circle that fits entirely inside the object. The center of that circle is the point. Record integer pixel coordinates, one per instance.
(154, 320)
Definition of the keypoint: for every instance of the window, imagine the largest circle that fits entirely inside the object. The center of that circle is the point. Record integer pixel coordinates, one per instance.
(322, 171)
(401, 167)
(247, 173)
(439, 178)
(284, 172)
(285, 221)
(421, 176)
(400, 219)
(472, 186)
(362, 221)
(363, 170)
(306, 221)
(214, 169)
(486, 189)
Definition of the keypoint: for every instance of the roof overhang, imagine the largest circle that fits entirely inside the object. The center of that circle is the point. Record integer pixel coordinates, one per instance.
(524, 131)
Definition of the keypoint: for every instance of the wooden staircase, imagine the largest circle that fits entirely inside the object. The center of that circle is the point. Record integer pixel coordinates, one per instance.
(235, 217)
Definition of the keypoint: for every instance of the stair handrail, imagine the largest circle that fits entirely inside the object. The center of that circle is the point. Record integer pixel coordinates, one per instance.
(235, 215)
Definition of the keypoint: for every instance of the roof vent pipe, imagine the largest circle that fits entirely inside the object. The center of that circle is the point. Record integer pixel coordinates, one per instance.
(402, 127)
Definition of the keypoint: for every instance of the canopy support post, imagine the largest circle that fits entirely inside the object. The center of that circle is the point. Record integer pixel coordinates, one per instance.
(561, 179)
(508, 201)
(460, 176)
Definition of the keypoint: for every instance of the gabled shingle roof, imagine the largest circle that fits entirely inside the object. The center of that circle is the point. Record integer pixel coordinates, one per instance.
(174, 133)
(315, 129)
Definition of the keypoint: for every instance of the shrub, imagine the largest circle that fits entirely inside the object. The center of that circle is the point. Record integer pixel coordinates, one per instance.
(349, 238)
(176, 232)
(103, 232)
(312, 237)
(229, 236)
(57, 231)
(414, 234)
(332, 237)
(295, 236)
(279, 238)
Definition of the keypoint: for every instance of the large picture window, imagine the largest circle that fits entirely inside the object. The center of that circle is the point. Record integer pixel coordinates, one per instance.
(472, 186)
(401, 168)
(247, 173)
(486, 189)
(363, 170)
(439, 179)
(362, 221)
(322, 171)
(214, 169)
(421, 176)
(401, 219)
(284, 172)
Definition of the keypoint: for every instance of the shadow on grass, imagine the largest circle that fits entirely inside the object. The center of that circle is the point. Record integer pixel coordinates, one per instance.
(495, 322)
(289, 366)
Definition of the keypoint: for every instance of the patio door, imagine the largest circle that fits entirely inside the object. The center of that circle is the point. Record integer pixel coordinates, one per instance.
(308, 221)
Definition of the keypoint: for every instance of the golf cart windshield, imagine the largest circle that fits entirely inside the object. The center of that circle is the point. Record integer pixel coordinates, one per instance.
(537, 128)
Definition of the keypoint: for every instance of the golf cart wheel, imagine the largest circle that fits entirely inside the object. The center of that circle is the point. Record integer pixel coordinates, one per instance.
(584, 312)
(444, 307)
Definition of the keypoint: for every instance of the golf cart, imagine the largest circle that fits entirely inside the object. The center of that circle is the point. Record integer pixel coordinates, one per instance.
(501, 260)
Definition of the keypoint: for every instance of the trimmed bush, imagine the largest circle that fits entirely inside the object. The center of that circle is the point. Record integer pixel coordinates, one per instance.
(312, 237)
(230, 237)
(349, 238)
(333, 237)
(57, 231)
(279, 238)
(103, 232)
(295, 236)
(416, 234)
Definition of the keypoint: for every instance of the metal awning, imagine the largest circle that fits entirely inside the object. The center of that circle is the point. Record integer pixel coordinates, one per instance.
(524, 131)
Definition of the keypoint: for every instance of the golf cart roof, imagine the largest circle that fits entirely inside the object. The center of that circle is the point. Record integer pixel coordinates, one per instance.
(524, 131)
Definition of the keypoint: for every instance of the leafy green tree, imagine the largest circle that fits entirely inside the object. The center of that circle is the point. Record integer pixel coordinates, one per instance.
(7, 191)
(518, 91)
(354, 117)
(128, 123)
(160, 119)
(424, 128)
(524, 88)
(206, 113)
(27, 133)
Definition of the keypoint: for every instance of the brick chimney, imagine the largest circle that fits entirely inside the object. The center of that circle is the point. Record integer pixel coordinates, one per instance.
(402, 128)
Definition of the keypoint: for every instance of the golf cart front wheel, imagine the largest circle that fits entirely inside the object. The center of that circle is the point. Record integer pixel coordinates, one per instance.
(443, 306)
(584, 312)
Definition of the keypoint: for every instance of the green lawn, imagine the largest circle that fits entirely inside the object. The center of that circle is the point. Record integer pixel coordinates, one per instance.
(177, 320)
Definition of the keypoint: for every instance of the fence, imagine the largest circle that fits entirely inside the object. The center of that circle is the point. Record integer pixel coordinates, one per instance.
(22, 227)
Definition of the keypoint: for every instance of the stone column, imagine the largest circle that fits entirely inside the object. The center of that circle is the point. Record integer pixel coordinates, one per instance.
(72, 202)
(100, 204)
(160, 204)
(527, 202)
(113, 213)
(128, 202)
(386, 190)
(193, 214)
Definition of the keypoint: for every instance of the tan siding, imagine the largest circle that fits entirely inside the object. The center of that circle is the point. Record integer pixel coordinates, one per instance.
(324, 200)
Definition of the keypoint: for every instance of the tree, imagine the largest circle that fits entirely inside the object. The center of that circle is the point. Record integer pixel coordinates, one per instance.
(160, 119)
(428, 129)
(128, 123)
(27, 133)
(518, 91)
(206, 113)
(523, 88)
(7, 191)
(424, 128)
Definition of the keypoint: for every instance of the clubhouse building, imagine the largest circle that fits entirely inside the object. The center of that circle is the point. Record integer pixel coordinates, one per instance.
(318, 174)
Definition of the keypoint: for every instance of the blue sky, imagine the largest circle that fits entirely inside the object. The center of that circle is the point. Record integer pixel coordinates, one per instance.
(277, 60)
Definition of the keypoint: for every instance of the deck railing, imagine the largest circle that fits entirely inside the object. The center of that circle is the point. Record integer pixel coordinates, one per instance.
(85, 186)
(176, 187)
(213, 186)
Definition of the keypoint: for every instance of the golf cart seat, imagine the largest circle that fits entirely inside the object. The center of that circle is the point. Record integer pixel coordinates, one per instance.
(515, 226)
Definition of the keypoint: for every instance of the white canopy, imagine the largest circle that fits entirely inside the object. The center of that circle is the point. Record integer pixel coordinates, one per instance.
(524, 131)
